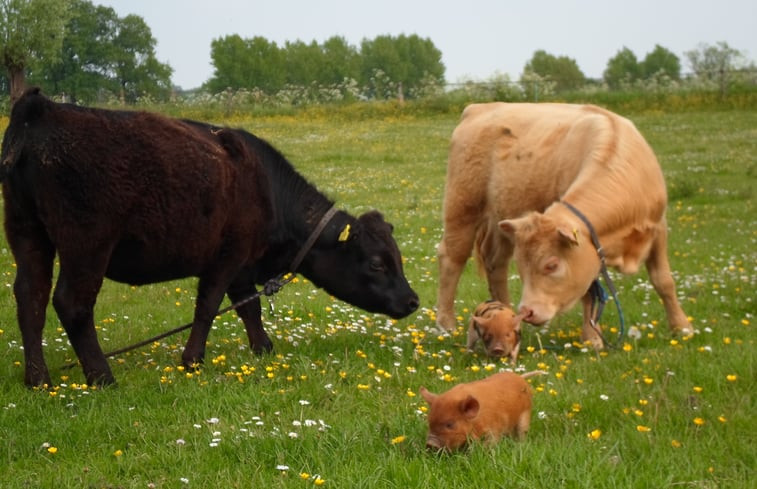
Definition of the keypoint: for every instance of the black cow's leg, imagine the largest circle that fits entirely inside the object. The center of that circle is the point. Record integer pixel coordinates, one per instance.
(34, 268)
(210, 291)
(240, 289)
(74, 299)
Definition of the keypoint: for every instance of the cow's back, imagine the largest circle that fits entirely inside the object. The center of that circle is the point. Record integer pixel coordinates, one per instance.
(164, 194)
(506, 159)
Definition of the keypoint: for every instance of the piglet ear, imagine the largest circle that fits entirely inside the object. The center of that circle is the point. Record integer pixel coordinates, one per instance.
(428, 396)
(469, 407)
(482, 321)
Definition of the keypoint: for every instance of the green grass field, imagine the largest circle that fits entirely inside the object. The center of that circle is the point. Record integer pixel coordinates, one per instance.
(337, 405)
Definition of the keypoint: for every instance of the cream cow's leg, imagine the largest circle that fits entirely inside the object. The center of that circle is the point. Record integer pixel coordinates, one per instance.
(454, 250)
(661, 277)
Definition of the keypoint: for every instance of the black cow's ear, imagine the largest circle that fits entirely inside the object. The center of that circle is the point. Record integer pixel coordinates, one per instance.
(348, 232)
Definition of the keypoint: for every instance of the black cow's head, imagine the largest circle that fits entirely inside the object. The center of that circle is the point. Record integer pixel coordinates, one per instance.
(358, 261)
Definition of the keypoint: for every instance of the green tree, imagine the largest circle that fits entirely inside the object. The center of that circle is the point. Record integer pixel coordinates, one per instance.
(31, 31)
(303, 62)
(136, 70)
(246, 63)
(340, 61)
(103, 53)
(84, 68)
(563, 71)
(406, 62)
(622, 68)
(661, 60)
(716, 63)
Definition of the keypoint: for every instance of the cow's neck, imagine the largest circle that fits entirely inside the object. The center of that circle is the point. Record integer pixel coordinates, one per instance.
(298, 207)
(607, 225)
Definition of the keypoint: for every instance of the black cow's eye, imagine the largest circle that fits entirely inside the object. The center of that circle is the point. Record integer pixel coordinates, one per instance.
(376, 264)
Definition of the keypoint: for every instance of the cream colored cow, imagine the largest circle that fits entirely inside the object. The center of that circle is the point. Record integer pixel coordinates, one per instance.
(510, 166)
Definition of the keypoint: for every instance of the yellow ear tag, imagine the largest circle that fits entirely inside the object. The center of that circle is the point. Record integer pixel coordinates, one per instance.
(345, 233)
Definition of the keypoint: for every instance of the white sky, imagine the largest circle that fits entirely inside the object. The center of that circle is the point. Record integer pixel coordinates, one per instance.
(477, 38)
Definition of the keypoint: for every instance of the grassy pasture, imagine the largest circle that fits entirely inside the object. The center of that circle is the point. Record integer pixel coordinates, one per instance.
(337, 404)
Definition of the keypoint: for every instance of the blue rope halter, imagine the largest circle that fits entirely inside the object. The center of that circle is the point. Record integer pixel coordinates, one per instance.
(598, 294)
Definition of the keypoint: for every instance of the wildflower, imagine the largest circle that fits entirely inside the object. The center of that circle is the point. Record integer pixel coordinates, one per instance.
(722, 418)
(118, 453)
(52, 450)
(627, 347)
(398, 439)
(595, 434)
(698, 389)
(731, 377)
(318, 481)
(363, 387)
(643, 429)
(304, 476)
(410, 393)
(675, 443)
(282, 468)
(699, 421)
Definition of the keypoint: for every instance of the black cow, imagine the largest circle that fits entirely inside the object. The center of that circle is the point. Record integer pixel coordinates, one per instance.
(140, 198)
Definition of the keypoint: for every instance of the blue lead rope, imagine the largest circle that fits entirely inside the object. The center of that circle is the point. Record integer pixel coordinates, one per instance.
(597, 292)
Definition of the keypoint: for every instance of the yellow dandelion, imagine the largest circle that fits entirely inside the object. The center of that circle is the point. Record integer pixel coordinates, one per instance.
(675, 443)
(699, 421)
(627, 347)
(595, 434)
(648, 380)
(52, 450)
(673, 342)
(398, 439)
(118, 453)
(731, 377)
(643, 429)
(363, 387)
(304, 476)
(698, 389)
(319, 482)
(475, 368)
(722, 418)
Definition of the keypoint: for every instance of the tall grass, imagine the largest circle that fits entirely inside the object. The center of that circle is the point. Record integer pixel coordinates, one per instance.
(337, 404)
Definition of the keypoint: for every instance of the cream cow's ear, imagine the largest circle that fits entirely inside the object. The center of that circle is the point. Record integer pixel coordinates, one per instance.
(511, 226)
(568, 236)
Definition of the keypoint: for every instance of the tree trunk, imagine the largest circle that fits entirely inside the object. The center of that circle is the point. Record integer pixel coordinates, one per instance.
(17, 78)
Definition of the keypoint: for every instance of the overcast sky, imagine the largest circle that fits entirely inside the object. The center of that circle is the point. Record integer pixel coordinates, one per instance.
(477, 38)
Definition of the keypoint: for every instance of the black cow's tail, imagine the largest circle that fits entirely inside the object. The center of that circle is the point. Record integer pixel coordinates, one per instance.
(25, 112)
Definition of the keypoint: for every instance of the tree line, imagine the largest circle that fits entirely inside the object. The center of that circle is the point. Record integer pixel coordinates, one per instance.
(87, 53)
